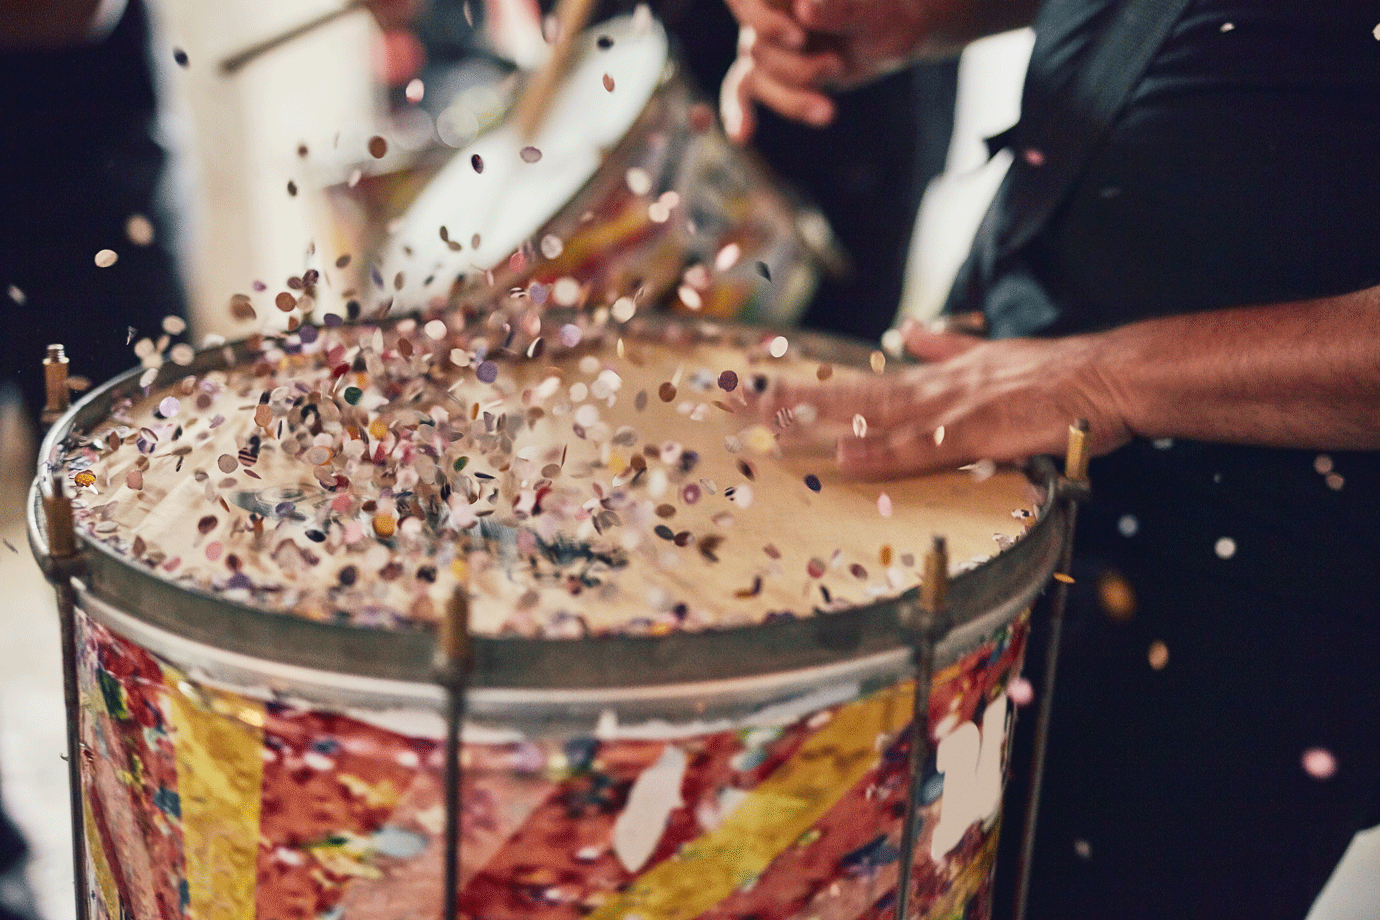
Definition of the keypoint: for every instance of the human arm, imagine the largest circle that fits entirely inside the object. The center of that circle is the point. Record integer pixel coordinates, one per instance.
(793, 53)
(1303, 374)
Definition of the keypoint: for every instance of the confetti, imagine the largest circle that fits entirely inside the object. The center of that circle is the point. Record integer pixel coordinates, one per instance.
(639, 181)
(763, 270)
(487, 371)
(1116, 597)
(859, 426)
(884, 506)
(778, 347)
(378, 147)
(530, 154)
(285, 302)
(812, 482)
(939, 436)
(1127, 525)
(227, 463)
(292, 189)
(106, 258)
(608, 83)
(477, 163)
(169, 407)
(1319, 763)
(1225, 548)
(415, 91)
(85, 478)
(139, 230)
(1158, 655)
(1020, 692)
(728, 381)
(180, 57)
(667, 391)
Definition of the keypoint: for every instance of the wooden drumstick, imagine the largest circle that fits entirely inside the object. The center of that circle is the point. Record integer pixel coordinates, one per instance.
(237, 60)
(571, 17)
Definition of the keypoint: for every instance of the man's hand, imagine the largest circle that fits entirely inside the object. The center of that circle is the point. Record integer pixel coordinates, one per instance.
(1003, 400)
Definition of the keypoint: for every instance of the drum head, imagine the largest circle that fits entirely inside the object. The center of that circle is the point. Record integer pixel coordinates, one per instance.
(494, 194)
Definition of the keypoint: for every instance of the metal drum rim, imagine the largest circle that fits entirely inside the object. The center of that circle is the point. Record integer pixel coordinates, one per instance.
(1010, 580)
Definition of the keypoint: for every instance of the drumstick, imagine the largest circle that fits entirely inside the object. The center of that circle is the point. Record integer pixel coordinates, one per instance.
(571, 17)
(240, 58)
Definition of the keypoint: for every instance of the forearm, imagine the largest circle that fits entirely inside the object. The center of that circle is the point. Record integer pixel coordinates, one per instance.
(1301, 374)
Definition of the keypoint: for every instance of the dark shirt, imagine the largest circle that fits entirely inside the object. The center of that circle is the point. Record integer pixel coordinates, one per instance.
(1242, 170)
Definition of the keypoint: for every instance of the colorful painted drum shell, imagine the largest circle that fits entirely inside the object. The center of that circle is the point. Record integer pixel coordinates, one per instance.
(206, 799)
(631, 192)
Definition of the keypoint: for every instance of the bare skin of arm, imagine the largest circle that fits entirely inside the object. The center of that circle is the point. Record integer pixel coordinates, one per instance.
(1304, 375)
(793, 54)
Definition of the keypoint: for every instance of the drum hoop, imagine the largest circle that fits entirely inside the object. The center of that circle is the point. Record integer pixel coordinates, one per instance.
(984, 597)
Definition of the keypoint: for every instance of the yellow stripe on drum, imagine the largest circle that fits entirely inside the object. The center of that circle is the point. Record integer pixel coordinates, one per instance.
(219, 743)
(99, 862)
(770, 819)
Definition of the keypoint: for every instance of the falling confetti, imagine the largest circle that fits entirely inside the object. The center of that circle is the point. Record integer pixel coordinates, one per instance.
(763, 270)
(1225, 548)
(106, 258)
(1158, 655)
(608, 82)
(1021, 692)
(1127, 525)
(139, 230)
(859, 426)
(1319, 763)
(530, 154)
(884, 507)
(812, 482)
(378, 147)
(180, 57)
(778, 347)
(477, 163)
(415, 91)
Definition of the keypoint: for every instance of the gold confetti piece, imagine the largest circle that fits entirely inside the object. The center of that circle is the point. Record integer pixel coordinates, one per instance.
(106, 258)
(1158, 655)
(1116, 597)
(385, 525)
(878, 361)
(1061, 576)
(377, 429)
(85, 478)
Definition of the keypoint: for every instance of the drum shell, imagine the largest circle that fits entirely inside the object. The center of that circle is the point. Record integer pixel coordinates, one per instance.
(230, 782)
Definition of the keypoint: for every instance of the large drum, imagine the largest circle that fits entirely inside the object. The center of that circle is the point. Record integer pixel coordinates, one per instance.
(629, 188)
(693, 662)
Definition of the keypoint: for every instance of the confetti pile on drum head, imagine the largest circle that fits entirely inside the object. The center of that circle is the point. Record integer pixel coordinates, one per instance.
(576, 469)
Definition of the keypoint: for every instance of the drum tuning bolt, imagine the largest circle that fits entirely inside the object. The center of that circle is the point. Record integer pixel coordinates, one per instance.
(454, 658)
(55, 384)
(1073, 488)
(926, 622)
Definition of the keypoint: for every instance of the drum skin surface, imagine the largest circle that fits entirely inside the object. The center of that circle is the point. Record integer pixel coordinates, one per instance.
(720, 739)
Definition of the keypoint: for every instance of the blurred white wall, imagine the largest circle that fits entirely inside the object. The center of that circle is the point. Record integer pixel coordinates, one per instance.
(236, 138)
